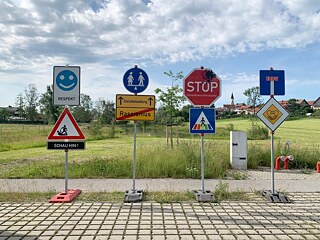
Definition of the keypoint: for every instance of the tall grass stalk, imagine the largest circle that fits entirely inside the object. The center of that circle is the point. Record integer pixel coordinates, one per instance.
(153, 161)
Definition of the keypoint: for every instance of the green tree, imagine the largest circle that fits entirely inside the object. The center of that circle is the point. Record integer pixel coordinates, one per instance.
(4, 114)
(108, 112)
(31, 100)
(184, 112)
(172, 98)
(20, 105)
(82, 113)
(254, 98)
(47, 108)
(98, 108)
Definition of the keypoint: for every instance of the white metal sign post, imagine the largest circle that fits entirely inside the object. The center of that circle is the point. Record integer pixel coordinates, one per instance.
(272, 114)
(202, 162)
(66, 135)
(137, 108)
(202, 87)
(66, 92)
(134, 156)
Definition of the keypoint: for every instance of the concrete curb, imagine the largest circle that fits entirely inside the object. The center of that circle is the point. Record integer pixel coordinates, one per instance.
(163, 184)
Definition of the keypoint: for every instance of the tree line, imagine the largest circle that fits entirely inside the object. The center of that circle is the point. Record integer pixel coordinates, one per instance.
(35, 107)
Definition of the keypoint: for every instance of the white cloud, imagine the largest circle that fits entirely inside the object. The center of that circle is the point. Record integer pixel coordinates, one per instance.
(37, 34)
(159, 31)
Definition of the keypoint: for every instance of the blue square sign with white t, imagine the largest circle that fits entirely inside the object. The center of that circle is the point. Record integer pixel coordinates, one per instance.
(272, 82)
(202, 120)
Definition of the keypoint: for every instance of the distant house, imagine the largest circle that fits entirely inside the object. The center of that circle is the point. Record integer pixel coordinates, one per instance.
(13, 113)
(299, 102)
(238, 108)
(242, 108)
(302, 102)
(315, 104)
(284, 103)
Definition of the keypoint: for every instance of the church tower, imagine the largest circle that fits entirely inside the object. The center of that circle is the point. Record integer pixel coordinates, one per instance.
(232, 99)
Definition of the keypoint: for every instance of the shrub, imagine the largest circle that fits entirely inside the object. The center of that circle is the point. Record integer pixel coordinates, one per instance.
(258, 132)
(95, 130)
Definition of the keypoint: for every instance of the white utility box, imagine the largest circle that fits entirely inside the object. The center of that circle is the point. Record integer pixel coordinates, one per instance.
(238, 150)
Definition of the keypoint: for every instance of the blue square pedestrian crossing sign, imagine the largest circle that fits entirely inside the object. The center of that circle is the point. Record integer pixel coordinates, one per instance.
(202, 120)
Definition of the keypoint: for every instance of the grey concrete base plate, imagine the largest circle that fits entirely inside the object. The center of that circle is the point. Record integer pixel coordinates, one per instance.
(206, 196)
(133, 196)
(275, 197)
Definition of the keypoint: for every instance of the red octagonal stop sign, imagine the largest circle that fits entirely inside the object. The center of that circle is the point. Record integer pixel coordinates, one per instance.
(202, 87)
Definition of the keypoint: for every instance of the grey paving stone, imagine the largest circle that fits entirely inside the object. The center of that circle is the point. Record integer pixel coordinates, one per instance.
(200, 237)
(87, 237)
(255, 237)
(132, 237)
(296, 237)
(73, 238)
(58, 237)
(143, 237)
(158, 237)
(283, 237)
(117, 232)
(15, 238)
(228, 237)
(172, 237)
(269, 237)
(310, 237)
(45, 238)
(242, 237)
(186, 237)
(76, 232)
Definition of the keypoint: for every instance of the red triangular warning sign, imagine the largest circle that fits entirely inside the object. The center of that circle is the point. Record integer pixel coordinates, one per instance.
(66, 128)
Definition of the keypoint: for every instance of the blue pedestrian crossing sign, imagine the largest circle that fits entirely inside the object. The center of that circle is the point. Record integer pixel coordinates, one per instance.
(135, 80)
(202, 120)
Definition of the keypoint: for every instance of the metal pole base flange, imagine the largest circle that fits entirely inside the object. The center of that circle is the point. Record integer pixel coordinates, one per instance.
(206, 196)
(133, 196)
(275, 197)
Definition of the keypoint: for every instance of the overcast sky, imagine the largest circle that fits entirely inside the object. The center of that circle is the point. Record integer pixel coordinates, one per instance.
(235, 38)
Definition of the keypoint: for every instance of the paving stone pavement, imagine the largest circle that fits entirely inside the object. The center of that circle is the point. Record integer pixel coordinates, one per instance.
(255, 219)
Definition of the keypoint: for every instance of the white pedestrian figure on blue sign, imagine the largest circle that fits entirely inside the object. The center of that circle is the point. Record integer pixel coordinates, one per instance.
(141, 80)
(130, 79)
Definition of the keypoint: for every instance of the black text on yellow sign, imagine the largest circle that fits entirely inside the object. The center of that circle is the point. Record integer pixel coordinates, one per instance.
(135, 114)
(136, 101)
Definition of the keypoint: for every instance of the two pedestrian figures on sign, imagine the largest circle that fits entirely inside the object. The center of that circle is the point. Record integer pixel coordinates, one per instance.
(140, 80)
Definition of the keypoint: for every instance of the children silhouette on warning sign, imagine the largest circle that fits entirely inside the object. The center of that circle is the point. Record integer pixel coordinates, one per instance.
(63, 131)
(203, 122)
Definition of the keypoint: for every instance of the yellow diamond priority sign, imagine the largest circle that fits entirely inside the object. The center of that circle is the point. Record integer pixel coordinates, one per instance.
(272, 114)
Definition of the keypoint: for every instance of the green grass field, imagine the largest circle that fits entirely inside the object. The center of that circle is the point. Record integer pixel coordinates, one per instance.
(304, 131)
(23, 153)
